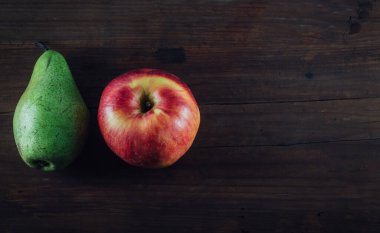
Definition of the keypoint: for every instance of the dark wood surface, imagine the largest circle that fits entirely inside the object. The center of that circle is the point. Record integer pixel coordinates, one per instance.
(289, 93)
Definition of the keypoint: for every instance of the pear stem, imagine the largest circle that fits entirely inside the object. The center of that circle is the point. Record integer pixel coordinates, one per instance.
(42, 45)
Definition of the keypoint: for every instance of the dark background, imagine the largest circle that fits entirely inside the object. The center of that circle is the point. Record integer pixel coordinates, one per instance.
(289, 93)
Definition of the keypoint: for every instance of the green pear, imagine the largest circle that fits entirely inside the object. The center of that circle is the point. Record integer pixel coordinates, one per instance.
(51, 119)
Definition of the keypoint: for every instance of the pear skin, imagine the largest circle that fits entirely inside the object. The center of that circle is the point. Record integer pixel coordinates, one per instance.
(51, 119)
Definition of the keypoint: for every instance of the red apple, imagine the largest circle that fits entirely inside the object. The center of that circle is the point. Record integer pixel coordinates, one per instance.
(149, 118)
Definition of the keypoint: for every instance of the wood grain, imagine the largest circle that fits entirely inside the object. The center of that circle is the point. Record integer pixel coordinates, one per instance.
(270, 51)
(290, 107)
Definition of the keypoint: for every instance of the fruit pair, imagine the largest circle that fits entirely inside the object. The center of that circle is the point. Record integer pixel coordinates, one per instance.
(149, 118)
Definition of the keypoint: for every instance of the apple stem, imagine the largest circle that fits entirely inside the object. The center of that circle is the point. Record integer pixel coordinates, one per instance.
(42, 45)
(148, 105)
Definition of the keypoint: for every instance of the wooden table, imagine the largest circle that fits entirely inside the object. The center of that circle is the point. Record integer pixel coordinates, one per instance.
(289, 93)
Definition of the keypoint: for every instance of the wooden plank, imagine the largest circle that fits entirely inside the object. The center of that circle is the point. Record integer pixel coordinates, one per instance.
(327, 185)
(274, 124)
(258, 83)
(288, 123)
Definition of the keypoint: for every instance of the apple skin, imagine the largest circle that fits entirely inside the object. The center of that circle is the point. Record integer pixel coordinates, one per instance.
(148, 117)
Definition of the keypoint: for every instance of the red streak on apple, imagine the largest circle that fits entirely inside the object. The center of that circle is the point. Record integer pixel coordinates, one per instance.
(149, 118)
